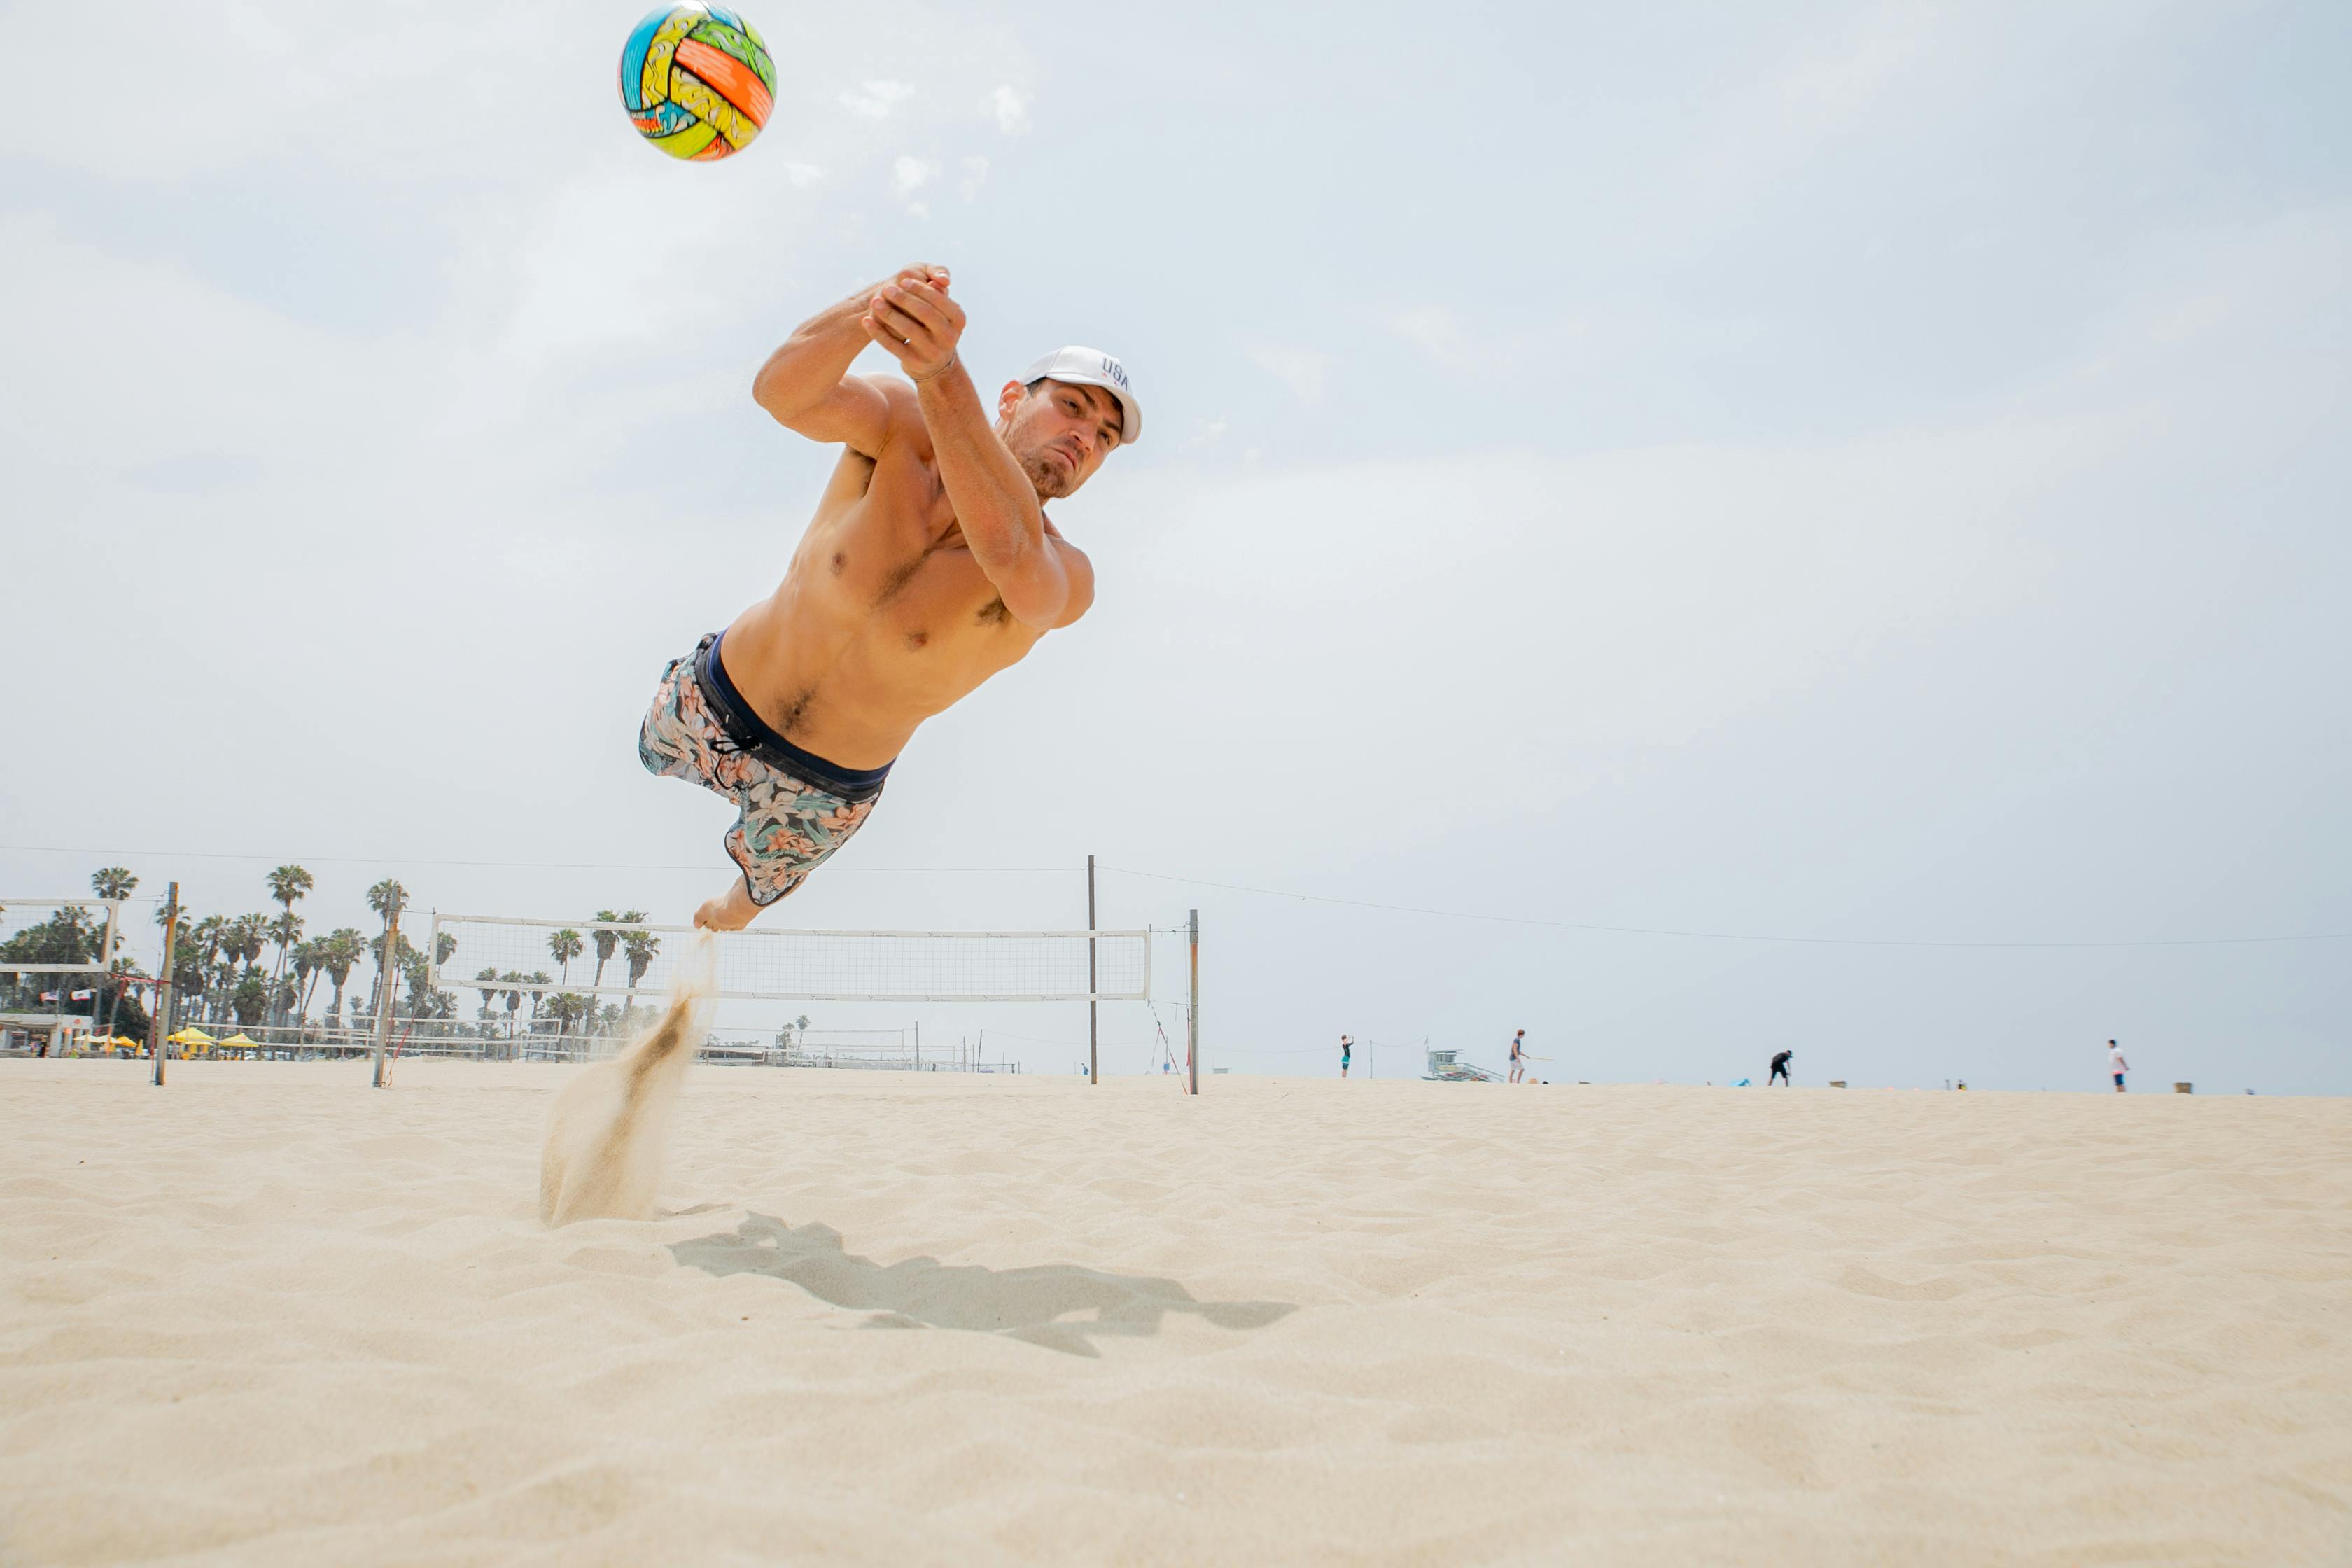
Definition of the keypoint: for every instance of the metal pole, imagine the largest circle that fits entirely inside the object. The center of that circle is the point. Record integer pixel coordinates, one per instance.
(1094, 1008)
(919, 1044)
(1193, 1034)
(160, 1024)
(386, 972)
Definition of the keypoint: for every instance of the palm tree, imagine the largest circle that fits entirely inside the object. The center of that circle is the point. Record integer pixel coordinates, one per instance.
(187, 963)
(419, 976)
(608, 940)
(387, 899)
(286, 931)
(642, 946)
(208, 932)
(290, 883)
(114, 882)
(286, 884)
(204, 946)
(490, 993)
(386, 896)
(344, 946)
(568, 1008)
(120, 972)
(252, 935)
(310, 959)
(239, 942)
(565, 946)
(189, 977)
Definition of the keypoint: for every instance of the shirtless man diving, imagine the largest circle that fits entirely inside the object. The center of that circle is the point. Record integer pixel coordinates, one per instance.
(929, 565)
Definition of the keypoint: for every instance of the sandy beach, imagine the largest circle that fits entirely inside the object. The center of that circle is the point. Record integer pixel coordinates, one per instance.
(268, 1315)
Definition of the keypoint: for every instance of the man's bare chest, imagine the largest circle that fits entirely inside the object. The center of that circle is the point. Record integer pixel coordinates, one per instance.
(894, 560)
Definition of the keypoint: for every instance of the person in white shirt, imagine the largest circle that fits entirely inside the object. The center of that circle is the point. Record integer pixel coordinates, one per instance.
(2116, 1065)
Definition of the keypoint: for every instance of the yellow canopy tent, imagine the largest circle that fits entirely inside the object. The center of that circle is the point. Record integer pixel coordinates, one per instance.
(192, 1038)
(240, 1041)
(117, 1043)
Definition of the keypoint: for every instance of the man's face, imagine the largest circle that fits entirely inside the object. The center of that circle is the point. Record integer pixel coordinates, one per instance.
(1059, 432)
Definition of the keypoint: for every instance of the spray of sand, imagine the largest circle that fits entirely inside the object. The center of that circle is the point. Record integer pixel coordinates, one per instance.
(610, 1127)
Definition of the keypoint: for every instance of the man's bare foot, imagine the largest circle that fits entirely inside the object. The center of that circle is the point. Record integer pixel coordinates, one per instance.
(731, 911)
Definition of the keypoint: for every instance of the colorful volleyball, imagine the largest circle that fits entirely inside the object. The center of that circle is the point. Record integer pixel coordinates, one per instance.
(696, 81)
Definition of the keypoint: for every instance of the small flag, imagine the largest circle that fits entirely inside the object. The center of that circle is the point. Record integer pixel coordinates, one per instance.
(48, 995)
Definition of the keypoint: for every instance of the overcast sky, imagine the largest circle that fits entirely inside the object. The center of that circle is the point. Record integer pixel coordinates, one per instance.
(1819, 471)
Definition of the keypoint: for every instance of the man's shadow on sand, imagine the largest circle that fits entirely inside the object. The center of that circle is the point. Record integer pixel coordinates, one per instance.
(1029, 1304)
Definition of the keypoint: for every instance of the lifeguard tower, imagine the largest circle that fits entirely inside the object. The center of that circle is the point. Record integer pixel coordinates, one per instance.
(1445, 1065)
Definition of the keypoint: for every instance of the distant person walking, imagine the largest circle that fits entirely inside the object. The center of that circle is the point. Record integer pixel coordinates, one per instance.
(1780, 1070)
(2116, 1065)
(1346, 1050)
(1518, 1057)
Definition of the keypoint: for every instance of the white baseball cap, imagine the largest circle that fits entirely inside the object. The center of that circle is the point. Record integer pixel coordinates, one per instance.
(1092, 367)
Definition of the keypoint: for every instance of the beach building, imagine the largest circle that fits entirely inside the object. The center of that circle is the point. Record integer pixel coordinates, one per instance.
(26, 1034)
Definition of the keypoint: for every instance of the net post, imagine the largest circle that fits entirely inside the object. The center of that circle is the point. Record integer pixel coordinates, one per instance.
(1192, 1029)
(389, 971)
(1093, 1006)
(160, 1024)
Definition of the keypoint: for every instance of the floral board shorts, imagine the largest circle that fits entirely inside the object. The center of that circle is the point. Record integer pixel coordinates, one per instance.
(795, 809)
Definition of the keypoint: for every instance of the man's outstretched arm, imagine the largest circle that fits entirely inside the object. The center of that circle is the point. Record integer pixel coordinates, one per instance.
(1043, 582)
(807, 384)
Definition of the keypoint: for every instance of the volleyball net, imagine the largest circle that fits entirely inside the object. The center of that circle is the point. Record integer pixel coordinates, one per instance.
(500, 953)
(57, 936)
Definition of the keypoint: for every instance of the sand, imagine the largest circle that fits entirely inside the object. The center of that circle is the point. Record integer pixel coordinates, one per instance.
(268, 1315)
(608, 1132)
